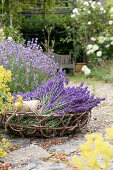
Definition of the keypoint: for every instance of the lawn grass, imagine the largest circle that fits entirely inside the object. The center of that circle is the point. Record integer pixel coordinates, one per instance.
(80, 77)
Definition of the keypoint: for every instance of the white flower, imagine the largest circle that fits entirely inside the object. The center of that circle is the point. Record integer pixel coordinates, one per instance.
(93, 6)
(86, 3)
(10, 39)
(104, 11)
(111, 38)
(90, 2)
(93, 39)
(106, 38)
(101, 39)
(95, 47)
(1, 30)
(2, 33)
(99, 3)
(89, 23)
(83, 68)
(111, 9)
(72, 15)
(110, 22)
(99, 53)
(90, 46)
(90, 52)
(84, 9)
(112, 43)
(93, 3)
(86, 70)
(101, 8)
(89, 12)
(76, 11)
(107, 46)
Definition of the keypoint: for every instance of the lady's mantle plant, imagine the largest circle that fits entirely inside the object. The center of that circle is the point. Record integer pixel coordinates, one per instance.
(96, 153)
(5, 95)
(56, 98)
(4, 147)
(6, 100)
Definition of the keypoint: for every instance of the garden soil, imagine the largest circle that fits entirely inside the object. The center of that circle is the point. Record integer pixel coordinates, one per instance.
(38, 154)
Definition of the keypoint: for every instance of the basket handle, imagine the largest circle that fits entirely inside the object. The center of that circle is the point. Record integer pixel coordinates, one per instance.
(9, 119)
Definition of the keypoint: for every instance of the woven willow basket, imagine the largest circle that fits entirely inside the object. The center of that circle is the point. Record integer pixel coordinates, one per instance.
(44, 125)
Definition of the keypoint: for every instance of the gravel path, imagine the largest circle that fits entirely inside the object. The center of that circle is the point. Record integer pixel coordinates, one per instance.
(102, 115)
(28, 156)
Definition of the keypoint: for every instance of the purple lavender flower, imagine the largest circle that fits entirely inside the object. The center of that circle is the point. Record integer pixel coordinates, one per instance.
(56, 98)
(26, 61)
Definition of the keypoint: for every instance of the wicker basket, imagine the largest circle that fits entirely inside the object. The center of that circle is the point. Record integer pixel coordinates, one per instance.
(44, 124)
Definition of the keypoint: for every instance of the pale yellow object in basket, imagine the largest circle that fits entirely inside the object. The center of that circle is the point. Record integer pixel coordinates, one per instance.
(28, 106)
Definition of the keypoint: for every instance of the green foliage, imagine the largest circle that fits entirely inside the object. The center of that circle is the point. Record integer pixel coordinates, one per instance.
(108, 2)
(99, 49)
(51, 122)
(87, 21)
(10, 17)
(104, 71)
(37, 26)
(14, 33)
(48, 28)
(48, 4)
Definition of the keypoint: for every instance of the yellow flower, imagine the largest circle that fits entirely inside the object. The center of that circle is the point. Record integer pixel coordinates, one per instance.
(7, 89)
(4, 140)
(19, 98)
(5, 76)
(86, 147)
(77, 162)
(19, 102)
(92, 150)
(19, 105)
(4, 154)
(11, 99)
(109, 133)
(8, 93)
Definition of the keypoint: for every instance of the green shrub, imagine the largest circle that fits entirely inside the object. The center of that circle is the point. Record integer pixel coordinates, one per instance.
(103, 71)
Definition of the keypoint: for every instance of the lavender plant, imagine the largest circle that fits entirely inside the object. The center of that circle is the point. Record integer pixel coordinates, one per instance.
(28, 64)
(55, 97)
